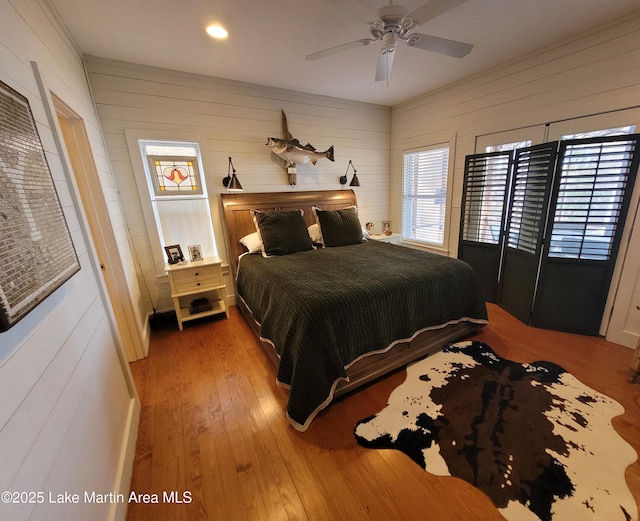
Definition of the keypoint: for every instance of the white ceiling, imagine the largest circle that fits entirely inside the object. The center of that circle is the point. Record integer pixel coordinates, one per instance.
(268, 39)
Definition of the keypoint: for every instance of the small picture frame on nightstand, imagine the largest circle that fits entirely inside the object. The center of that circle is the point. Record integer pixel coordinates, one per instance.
(195, 252)
(174, 254)
(386, 228)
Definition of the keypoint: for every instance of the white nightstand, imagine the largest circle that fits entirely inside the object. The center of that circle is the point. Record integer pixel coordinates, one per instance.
(191, 281)
(394, 238)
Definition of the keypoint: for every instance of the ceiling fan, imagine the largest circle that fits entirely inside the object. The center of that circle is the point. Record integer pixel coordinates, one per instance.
(393, 24)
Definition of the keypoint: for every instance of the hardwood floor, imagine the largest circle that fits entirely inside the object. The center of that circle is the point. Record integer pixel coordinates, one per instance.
(213, 427)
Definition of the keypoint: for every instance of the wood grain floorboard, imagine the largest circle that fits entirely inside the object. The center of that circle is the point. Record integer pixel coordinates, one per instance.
(213, 425)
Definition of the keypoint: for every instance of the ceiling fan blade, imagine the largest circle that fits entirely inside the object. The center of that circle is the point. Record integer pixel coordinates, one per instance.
(339, 48)
(385, 62)
(434, 8)
(452, 48)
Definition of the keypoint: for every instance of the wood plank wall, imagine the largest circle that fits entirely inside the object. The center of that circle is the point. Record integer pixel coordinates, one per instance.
(594, 72)
(68, 409)
(235, 119)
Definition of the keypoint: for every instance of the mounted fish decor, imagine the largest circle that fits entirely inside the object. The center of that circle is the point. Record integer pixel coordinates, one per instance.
(293, 152)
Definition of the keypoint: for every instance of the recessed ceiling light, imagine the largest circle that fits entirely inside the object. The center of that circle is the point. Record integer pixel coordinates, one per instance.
(217, 31)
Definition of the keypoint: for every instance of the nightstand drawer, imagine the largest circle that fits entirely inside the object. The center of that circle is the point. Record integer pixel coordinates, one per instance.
(196, 278)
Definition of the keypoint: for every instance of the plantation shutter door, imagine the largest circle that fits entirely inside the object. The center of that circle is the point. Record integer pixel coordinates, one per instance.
(484, 195)
(526, 215)
(590, 201)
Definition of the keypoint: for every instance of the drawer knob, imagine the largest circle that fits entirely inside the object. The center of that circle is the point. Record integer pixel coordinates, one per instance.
(197, 274)
(197, 284)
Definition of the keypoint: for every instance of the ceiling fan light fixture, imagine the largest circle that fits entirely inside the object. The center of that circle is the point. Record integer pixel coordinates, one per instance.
(388, 48)
(389, 38)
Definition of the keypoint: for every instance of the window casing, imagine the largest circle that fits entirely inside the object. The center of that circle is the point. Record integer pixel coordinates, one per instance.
(178, 195)
(425, 195)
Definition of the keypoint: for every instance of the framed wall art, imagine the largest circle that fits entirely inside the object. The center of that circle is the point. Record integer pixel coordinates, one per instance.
(37, 253)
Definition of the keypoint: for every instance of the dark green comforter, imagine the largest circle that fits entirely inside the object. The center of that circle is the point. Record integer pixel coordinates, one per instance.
(323, 309)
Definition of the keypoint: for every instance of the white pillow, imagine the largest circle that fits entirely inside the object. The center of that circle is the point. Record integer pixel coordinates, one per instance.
(252, 242)
(314, 233)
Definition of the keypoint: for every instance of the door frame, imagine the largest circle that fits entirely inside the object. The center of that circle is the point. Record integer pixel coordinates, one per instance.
(81, 160)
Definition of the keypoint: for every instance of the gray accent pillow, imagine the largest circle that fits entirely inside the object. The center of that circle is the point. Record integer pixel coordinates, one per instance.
(339, 227)
(282, 233)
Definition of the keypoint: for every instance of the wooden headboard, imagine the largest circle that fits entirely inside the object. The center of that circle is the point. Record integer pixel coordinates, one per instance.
(237, 210)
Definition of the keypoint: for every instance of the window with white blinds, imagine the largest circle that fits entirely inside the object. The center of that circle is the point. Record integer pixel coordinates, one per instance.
(424, 195)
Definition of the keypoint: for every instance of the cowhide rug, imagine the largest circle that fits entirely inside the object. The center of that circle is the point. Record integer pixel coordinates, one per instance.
(532, 437)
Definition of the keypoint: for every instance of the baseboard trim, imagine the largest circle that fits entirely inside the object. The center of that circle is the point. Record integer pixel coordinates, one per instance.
(124, 474)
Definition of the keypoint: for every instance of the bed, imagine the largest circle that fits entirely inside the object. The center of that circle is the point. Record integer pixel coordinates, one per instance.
(334, 318)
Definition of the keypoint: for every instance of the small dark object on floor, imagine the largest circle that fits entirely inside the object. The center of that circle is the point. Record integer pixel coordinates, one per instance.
(163, 320)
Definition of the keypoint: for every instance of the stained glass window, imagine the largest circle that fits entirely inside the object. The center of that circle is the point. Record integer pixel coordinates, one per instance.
(175, 175)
